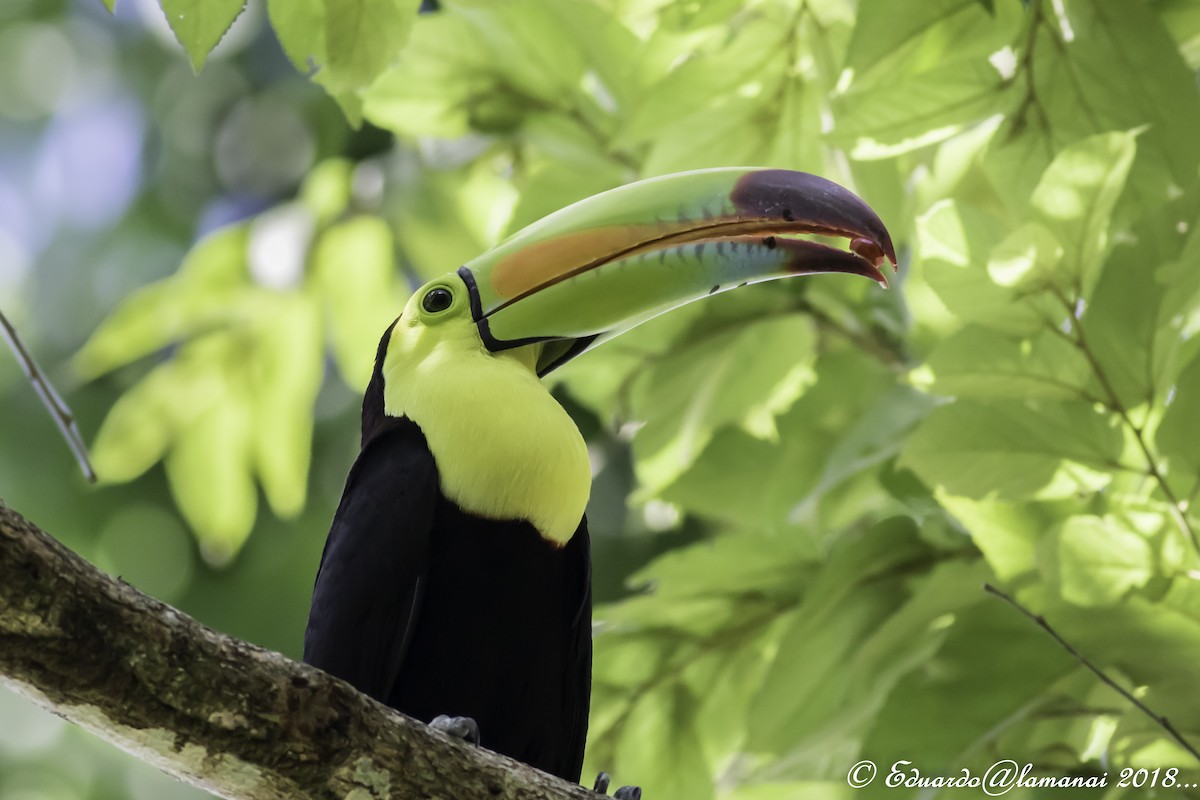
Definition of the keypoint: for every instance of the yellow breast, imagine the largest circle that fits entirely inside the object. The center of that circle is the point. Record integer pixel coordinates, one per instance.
(504, 447)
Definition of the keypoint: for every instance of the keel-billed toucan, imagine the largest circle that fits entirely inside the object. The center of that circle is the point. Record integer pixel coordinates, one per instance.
(455, 579)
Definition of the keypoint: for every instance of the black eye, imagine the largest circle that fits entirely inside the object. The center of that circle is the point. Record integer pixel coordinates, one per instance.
(437, 300)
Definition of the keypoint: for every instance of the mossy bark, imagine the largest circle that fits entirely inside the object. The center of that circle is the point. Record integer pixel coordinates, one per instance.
(214, 711)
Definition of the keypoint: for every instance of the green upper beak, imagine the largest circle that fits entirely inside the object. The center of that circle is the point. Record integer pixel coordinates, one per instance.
(605, 264)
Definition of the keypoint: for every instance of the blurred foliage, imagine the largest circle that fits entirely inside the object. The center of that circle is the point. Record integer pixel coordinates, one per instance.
(828, 472)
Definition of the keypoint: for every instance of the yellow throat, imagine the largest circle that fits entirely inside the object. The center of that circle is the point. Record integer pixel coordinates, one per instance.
(504, 448)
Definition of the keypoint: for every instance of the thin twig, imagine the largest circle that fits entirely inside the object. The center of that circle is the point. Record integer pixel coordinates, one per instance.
(1079, 340)
(1159, 719)
(59, 411)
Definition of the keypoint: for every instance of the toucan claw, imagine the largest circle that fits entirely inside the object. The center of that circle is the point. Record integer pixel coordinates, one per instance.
(624, 793)
(601, 784)
(463, 728)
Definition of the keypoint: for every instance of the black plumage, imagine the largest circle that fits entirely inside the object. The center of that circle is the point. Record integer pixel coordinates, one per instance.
(436, 611)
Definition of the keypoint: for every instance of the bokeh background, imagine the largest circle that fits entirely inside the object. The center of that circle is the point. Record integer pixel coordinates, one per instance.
(800, 487)
(115, 158)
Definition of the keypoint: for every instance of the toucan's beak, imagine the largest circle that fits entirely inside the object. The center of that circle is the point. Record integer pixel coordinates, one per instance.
(597, 268)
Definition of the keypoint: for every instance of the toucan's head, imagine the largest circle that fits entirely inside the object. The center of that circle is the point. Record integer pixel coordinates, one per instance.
(605, 264)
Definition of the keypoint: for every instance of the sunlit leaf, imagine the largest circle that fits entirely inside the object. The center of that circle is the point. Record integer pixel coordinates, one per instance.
(362, 37)
(887, 30)
(200, 24)
(692, 88)
(937, 104)
(140, 426)
(745, 377)
(981, 362)
(956, 242)
(326, 190)
(1072, 91)
(1099, 560)
(289, 366)
(201, 294)
(345, 44)
(746, 481)
(1013, 449)
(429, 90)
(797, 143)
(353, 266)
(1182, 19)
(1180, 429)
(1137, 320)
(1075, 199)
(210, 463)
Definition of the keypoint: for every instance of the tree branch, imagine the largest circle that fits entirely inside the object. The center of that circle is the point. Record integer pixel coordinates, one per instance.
(216, 712)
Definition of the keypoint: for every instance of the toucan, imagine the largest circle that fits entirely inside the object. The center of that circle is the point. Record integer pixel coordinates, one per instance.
(455, 581)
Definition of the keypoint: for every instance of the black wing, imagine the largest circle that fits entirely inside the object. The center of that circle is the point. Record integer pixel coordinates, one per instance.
(581, 654)
(368, 588)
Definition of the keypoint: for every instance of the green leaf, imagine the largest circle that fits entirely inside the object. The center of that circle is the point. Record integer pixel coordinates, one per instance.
(727, 564)
(109, 4)
(746, 377)
(1027, 259)
(200, 24)
(985, 363)
(843, 648)
(1007, 533)
(362, 37)
(202, 294)
(609, 48)
(875, 436)
(1137, 321)
(326, 192)
(352, 266)
(1179, 430)
(887, 32)
(1075, 200)
(938, 103)
(1154, 644)
(1182, 19)
(289, 366)
(210, 463)
(443, 71)
(794, 790)
(659, 748)
(955, 242)
(797, 143)
(1100, 560)
(531, 48)
(749, 482)
(1014, 450)
(569, 144)
(705, 80)
(556, 185)
(723, 135)
(1071, 90)
(993, 667)
(141, 425)
(348, 43)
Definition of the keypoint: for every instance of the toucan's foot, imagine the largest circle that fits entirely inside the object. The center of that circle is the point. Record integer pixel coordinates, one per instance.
(463, 728)
(624, 793)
